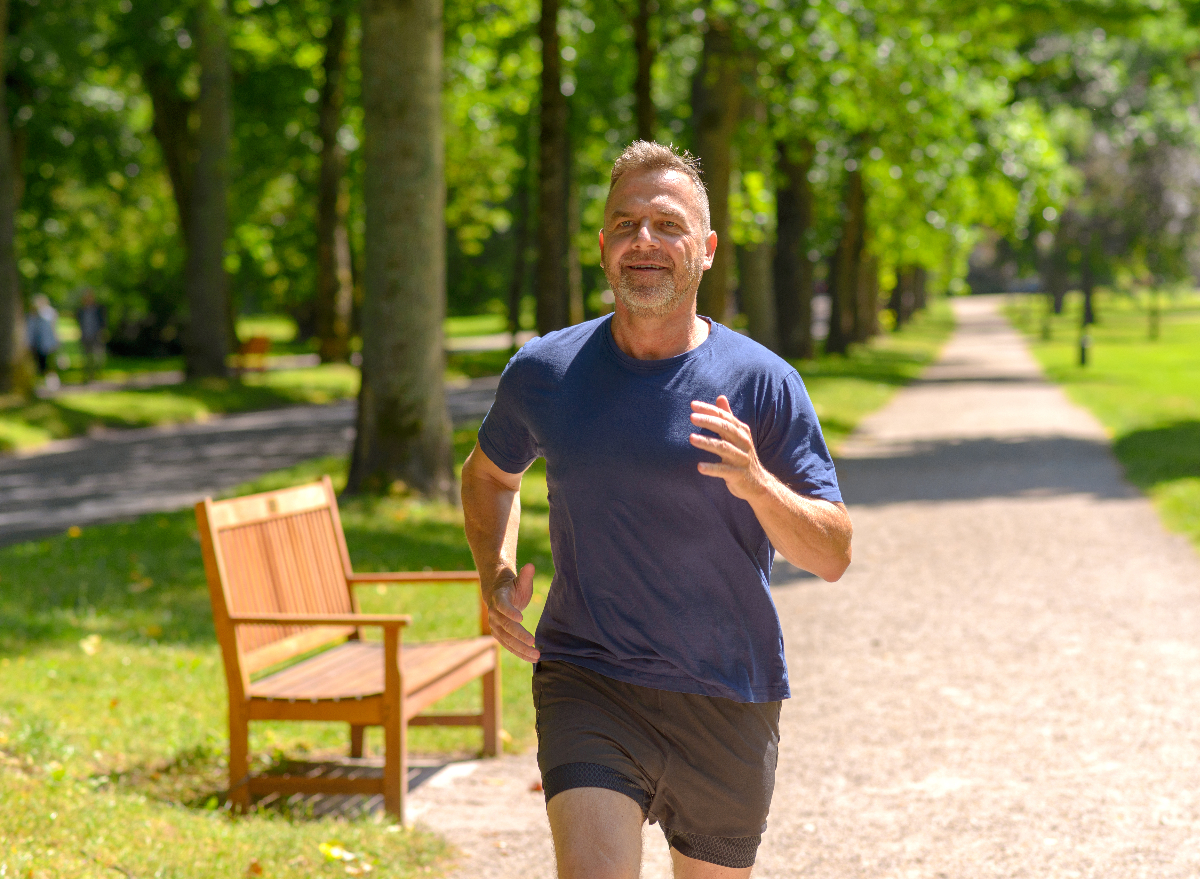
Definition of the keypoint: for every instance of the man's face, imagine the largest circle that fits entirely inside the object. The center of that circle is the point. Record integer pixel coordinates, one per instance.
(653, 249)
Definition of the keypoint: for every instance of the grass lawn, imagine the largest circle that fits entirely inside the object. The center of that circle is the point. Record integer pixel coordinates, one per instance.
(112, 697)
(1145, 392)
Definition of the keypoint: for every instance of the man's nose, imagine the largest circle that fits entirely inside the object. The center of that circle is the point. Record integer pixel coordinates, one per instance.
(644, 235)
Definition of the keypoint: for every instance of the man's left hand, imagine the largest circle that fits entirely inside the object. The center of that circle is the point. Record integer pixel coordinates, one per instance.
(739, 466)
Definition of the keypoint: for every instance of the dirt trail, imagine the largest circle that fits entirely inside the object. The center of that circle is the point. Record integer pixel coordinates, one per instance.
(1006, 682)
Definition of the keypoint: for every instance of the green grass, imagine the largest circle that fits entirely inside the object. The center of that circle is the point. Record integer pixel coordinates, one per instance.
(26, 425)
(1145, 392)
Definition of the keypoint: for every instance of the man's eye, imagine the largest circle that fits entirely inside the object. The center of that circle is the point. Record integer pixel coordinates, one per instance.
(670, 224)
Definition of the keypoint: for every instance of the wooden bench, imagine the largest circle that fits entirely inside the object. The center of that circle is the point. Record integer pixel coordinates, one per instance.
(281, 585)
(252, 355)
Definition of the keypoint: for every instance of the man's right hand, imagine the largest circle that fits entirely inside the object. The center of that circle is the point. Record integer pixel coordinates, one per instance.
(508, 597)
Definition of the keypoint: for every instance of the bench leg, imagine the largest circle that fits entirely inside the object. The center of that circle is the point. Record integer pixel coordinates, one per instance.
(356, 740)
(492, 721)
(239, 761)
(395, 729)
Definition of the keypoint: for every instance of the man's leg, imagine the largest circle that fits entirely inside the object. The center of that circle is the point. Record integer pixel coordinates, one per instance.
(689, 868)
(598, 835)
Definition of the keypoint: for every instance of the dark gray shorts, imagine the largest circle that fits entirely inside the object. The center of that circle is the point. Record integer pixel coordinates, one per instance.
(701, 766)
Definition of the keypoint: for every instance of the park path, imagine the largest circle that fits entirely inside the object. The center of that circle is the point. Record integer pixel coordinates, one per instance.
(1005, 683)
(123, 474)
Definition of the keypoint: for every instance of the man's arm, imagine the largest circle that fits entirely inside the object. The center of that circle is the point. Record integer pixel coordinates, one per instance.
(491, 500)
(811, 533)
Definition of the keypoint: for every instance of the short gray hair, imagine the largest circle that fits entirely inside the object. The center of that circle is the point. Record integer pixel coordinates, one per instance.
(645, 155)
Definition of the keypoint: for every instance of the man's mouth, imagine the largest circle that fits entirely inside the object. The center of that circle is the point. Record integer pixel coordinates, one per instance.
(646, 267)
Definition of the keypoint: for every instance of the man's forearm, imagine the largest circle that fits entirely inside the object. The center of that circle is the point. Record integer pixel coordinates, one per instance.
(492, 521)
(810, 533)
(492, 517)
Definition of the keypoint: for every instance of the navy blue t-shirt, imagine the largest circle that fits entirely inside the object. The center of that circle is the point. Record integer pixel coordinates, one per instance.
(660, 573)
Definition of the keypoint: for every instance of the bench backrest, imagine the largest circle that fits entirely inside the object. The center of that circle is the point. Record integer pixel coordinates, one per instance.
(276, 552)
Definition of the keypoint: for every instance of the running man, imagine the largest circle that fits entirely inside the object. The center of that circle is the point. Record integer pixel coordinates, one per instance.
(679, 456)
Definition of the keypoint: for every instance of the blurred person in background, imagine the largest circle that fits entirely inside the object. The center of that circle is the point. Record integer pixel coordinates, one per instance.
(93, 326)
(41, 328)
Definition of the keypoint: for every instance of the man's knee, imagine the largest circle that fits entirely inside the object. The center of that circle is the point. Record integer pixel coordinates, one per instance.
(597, 834)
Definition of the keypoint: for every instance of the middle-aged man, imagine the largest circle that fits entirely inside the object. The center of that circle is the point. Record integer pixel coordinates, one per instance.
(679, 456)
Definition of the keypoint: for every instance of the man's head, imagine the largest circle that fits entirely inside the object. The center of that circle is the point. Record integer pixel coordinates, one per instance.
(644, 155)
(656, 241)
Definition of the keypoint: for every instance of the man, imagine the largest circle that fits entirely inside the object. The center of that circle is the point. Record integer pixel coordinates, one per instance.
(92, 320)
(678, 454)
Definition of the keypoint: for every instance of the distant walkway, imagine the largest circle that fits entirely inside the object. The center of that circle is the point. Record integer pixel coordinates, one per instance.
(1006, 682)
(124, 474)
(165, 377)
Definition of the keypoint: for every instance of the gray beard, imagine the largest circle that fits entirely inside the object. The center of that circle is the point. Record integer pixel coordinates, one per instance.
(660, 298)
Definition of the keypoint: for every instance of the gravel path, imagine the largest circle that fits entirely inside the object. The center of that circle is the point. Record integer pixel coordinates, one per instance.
(124, 474)
(1005, 683)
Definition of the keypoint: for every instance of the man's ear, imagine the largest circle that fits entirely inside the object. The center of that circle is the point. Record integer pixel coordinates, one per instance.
(710, 247)
(601, 245)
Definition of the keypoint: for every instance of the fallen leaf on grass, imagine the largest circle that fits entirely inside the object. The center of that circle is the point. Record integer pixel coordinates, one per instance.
(90, 645)
(74, 531)
(255, 868)
(355, 865)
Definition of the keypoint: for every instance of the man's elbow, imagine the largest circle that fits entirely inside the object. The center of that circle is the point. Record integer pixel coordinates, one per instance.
(836, 566)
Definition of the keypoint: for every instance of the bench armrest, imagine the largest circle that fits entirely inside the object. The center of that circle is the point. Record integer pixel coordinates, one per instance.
(415, 577)
(409, 577)
(386, 620)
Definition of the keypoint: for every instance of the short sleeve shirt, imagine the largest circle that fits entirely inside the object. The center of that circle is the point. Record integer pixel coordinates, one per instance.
(661, 575)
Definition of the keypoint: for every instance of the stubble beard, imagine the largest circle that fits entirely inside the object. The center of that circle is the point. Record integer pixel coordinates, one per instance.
(661, 296)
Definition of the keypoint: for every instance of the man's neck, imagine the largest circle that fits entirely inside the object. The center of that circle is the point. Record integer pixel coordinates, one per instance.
(657, 338)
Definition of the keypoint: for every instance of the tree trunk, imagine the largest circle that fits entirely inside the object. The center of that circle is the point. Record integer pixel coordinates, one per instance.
(207, 342)
(866, 312)
(643, 98)
(757, 293)
(793, 268)
(1087, 279)
(14, 370)
(574, 262)
(335, 284)
(843, 271)
(516, 284)
(920, 288)
(173, 129)
(552, 277)
(404, 437)
(716, 104)
(903, 299)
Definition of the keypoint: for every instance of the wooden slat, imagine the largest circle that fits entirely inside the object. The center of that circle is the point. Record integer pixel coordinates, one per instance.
(259, 507)
(416, 701)
(367, 712)
(304, 640)
(401, 577)
(355, 669)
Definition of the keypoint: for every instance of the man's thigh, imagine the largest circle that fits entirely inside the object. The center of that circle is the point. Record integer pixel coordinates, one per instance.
(597, 834)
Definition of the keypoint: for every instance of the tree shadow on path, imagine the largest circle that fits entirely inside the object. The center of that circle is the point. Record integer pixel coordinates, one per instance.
(976, 469)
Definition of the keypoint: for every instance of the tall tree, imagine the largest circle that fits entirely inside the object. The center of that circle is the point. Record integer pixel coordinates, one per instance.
(553, 185)
(845, 265)
(335, 283)
(793, 269)
(716, 99)
(12, 323)
(403, 425)
(206, 346)
(640, 14)
(757, 292)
